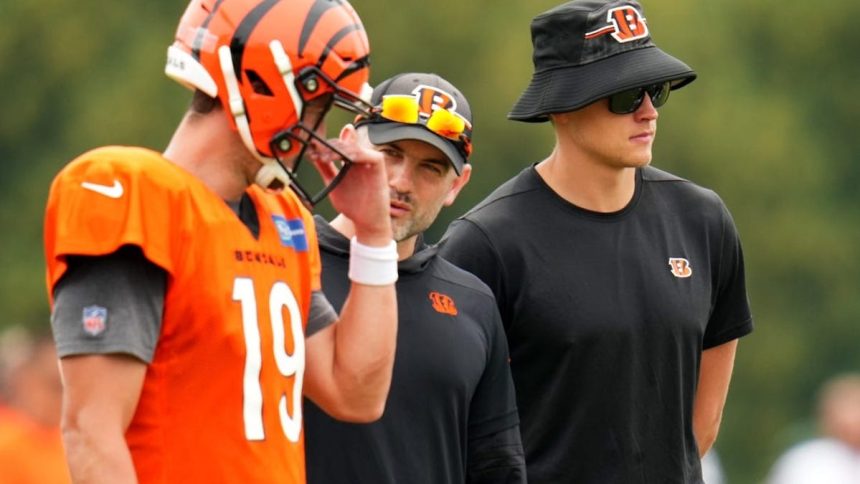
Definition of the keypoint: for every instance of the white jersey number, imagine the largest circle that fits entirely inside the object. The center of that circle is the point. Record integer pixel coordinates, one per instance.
(280, 297)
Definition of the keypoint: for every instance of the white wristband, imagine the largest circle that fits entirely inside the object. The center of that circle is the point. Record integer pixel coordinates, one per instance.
(373, 266)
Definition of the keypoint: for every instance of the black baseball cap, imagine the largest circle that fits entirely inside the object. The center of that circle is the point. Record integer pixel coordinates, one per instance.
(431, 92)
(585, 50)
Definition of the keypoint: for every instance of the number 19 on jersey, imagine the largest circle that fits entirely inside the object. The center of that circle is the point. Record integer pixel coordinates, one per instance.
(280, 298)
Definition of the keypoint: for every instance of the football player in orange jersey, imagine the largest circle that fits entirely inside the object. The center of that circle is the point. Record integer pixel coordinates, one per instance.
(186, 301)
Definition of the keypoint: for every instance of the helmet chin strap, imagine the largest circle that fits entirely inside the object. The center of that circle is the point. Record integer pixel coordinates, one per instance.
(271, 175)
(271, 171)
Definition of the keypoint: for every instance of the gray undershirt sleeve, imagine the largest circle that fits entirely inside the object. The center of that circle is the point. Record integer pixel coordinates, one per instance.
(321, 315)
(109, 304)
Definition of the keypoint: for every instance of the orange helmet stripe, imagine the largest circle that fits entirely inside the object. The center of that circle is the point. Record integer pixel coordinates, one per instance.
(243, 31)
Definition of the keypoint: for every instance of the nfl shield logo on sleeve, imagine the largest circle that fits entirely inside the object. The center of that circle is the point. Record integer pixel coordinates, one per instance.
(94, 320)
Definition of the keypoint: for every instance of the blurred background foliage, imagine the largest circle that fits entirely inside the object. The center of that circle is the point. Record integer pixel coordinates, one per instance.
(771, 125)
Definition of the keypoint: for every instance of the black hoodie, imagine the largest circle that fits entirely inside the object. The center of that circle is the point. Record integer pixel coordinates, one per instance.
(451, 383)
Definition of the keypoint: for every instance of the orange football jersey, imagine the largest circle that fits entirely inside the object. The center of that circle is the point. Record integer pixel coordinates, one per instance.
(221, 400)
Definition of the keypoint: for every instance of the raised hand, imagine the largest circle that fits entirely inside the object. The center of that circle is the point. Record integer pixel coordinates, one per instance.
(363, 194)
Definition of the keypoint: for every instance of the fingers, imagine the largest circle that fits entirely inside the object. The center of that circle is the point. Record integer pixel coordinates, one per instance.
(348, 134)
(328, 156)
(357, 148)
(320, 153)
(326, 169)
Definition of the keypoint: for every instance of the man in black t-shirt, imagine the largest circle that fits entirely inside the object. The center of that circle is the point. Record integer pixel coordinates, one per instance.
(621, 286)
(451, 414)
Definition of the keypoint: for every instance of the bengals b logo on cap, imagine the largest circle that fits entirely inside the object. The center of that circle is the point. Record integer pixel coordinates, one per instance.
(432, 97)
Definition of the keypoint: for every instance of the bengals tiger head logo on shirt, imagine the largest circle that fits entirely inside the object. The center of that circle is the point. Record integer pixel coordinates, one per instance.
(680, 267)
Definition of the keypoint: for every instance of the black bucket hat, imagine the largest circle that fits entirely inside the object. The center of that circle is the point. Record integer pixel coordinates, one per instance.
(585, 50)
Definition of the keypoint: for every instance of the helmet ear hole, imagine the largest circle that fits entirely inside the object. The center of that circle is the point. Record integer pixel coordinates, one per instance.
(257, 83)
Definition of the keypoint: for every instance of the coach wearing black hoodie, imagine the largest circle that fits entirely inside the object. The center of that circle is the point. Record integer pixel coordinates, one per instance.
(451, 414)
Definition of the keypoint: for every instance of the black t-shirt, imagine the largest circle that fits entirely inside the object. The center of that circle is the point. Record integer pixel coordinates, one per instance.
(607, 315)
(451, 383)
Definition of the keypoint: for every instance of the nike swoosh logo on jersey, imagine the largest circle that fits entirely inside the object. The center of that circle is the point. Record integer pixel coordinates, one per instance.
(111, 191)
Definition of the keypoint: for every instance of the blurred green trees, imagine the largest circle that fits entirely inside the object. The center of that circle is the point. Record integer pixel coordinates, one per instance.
(771, 124)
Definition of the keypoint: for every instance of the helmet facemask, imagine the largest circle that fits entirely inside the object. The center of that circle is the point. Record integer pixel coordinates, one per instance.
(290, 146)
(266, 62)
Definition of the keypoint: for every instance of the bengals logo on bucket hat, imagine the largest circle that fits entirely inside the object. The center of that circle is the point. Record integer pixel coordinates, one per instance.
(585, 50)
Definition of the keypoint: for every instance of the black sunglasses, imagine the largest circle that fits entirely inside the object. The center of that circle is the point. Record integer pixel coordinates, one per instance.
(626, 102)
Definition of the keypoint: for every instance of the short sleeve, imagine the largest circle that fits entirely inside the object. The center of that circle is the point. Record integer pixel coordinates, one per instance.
(468, 247)
(109, 304)
(322, 314)
(730, 318)
(109, 198)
